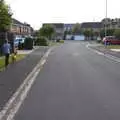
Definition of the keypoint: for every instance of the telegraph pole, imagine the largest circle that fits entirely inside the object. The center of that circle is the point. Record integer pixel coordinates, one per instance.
(106, 18)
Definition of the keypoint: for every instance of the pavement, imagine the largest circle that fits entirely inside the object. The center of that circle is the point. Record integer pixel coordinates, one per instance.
(75, 84)
(26, 52)
(116, 50)
(102, 49)
(14, 75)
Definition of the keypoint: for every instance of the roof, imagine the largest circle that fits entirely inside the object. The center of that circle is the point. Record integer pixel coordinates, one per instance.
(68, 25)
(91, 25)
(19, 23)
(16, 21)
(57, 25)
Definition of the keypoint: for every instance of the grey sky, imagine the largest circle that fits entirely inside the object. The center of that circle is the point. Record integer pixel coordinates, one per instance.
(36, 12)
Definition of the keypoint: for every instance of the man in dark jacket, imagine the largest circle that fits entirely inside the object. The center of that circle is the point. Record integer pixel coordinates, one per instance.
(6, 50)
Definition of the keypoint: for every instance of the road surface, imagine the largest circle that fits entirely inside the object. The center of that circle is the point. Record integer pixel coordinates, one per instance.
(75, 84)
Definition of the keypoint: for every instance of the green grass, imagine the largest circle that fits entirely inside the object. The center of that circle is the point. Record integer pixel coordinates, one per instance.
(113, 46)
(2, 60)
(2, 64)
(52, 43)
(61, 41)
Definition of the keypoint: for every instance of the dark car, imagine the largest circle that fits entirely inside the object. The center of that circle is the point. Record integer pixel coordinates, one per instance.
(111, 40)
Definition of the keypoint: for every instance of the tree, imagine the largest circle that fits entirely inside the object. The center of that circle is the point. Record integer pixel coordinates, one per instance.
(102, 33)
(88, 33)
(67, 33)
(47, 31)
(5, 16)
(76, 29)
(109, 32)
(117, 33)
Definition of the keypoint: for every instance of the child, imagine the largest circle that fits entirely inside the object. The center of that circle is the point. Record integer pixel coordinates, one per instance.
(14, 56)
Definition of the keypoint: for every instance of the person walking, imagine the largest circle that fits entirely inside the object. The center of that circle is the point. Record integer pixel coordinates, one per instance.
(6, 51)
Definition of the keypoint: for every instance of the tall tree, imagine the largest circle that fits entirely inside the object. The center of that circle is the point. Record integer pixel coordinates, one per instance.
(88, 33)
(76, 29)
(47, 31)
(109, 32)
(5, 16)
(117, 33)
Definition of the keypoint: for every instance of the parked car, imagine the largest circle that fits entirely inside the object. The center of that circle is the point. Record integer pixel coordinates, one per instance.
(18, 40)
(111, 40)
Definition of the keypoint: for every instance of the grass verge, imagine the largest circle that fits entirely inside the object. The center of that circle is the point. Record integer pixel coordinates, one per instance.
(53, 43)
(113, 47)
(2, 60)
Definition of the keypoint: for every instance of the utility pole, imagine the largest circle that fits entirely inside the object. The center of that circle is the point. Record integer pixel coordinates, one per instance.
(106, 18)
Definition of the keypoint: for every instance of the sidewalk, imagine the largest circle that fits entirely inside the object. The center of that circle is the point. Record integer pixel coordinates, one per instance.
(13, 77)
(106, 51)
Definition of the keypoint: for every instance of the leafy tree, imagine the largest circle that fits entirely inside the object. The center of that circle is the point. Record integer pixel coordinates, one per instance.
(5, 16)
(41, 41)
(117, 33)
(88, 33)
(67, 33)
(102, 33)
(76, 29)
(47, 31)
(109, 32)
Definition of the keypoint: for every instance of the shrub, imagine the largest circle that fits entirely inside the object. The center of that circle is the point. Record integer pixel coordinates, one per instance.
(58, 40)
(41, 41)
(28, 44)
(1, 44)
(117, 33)
(61, 41)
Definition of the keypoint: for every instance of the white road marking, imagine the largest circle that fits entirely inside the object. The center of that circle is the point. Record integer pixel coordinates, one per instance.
(43, 62)
(23, 96)
(100, 53)
(13, 105)
(111, 57)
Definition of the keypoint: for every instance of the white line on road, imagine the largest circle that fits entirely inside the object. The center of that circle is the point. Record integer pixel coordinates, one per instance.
(23, 96)
(43, 62)
(13, 105)
(111, 57)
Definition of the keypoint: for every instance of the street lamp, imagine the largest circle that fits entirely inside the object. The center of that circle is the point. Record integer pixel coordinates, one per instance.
(106, 19)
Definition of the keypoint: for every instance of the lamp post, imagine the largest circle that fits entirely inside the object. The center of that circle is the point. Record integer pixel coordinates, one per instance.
(106, 25)
(106, 19)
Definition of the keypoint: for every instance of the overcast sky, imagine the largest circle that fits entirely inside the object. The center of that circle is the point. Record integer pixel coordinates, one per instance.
(36, 12)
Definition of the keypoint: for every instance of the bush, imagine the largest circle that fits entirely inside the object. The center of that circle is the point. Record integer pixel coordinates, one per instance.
(28, 44)
(61, 41)
(41, 41)
(57, 40)
(117, 33)
(1, 44)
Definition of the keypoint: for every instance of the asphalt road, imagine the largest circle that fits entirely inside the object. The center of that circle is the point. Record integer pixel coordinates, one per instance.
(75, 84)
(14, 75)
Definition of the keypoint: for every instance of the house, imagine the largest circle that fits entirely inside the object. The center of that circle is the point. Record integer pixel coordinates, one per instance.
(95, 26)
(20, 29)
(68, 27)
(111, 23)
(59, 29)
